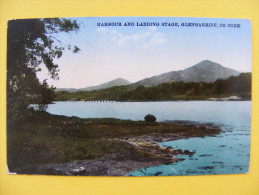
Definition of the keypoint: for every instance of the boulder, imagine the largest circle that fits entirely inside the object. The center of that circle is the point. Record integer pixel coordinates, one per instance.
(150, 118)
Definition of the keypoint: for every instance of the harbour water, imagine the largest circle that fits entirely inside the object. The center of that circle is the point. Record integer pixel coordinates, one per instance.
(226, 153)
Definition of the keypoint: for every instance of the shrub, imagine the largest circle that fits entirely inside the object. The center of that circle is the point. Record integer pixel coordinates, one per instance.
(150, 118)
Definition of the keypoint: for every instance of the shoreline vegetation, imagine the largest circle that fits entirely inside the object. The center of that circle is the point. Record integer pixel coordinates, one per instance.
(234, 88)
(49, 144)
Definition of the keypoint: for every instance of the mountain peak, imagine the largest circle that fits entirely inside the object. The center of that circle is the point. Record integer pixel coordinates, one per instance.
(121, 80)
(112, 83)
(206, 64)
(207, 61)
(204, 71)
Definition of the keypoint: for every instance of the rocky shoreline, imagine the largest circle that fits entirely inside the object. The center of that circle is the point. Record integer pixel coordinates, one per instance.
(124, 162)
(113, 164)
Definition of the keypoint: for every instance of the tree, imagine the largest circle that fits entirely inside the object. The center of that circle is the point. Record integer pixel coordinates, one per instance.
(30, 44)
(46, 95)
(219, 86)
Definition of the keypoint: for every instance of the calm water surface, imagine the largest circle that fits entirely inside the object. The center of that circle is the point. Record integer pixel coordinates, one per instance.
(226, 153)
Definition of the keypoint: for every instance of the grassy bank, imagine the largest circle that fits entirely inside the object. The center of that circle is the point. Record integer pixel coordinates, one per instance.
(43, 138)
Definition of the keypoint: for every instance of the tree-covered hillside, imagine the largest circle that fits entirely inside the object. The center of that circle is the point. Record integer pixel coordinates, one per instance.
(233, 86)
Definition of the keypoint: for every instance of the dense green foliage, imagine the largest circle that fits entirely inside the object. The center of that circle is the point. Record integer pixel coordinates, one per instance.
(235, 85)
(30, 44)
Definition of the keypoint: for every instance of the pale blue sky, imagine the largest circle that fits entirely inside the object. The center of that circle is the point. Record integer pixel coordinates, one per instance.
(137, 52)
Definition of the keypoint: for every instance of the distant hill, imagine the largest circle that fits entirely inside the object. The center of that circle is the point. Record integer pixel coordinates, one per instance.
(232, 88)
(115, 82)
(204, 71)
(66, 89)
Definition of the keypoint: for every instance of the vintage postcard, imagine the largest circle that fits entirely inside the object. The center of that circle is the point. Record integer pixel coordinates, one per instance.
(128, 96)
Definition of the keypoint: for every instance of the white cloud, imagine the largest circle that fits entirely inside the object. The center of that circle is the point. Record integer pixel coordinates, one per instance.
(152, 28)
(145, 39)
(157, 38)
(102, 30)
